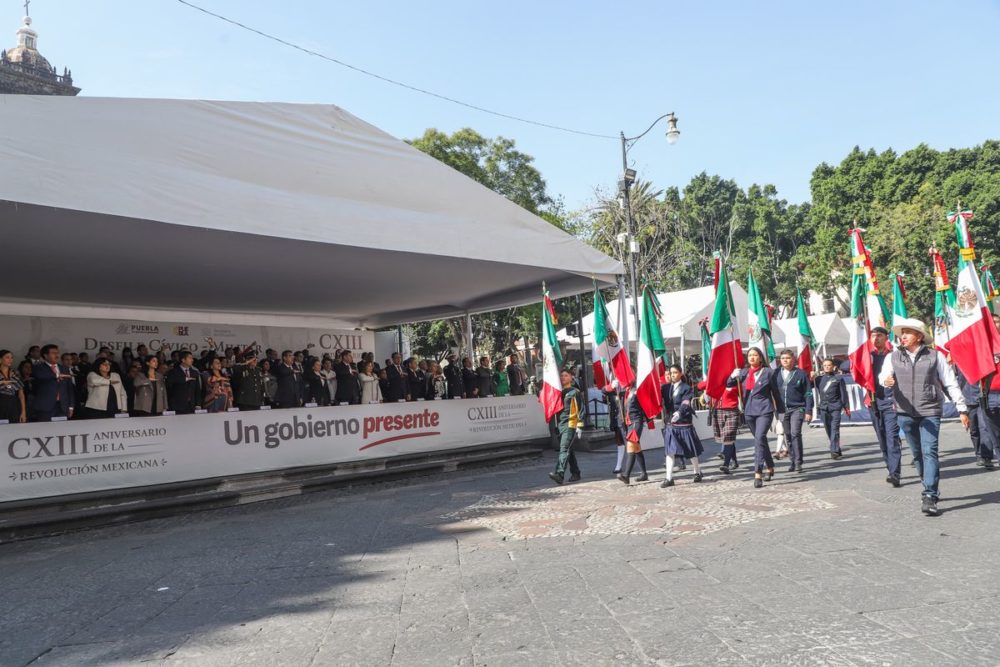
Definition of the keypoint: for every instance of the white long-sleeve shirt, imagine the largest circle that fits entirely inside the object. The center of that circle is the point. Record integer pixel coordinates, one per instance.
(945, 375)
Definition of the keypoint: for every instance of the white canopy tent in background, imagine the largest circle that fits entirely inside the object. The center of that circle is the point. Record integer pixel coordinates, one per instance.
(237, 211)
(830, 332)
(682, 313)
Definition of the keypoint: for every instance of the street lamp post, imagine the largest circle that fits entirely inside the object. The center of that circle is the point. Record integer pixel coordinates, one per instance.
(628, 178)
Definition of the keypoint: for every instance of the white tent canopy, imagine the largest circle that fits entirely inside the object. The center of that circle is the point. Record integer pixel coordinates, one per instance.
(828, 329)
(236, 208)
(682, 313)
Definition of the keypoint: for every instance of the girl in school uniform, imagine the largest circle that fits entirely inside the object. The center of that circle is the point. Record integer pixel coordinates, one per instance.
(759, 399)
(679, 436)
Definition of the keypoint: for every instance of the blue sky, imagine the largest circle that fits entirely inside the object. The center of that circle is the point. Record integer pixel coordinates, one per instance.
(764, 90)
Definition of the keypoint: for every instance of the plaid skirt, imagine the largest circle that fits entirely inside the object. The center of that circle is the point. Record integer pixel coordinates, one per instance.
(725, 425)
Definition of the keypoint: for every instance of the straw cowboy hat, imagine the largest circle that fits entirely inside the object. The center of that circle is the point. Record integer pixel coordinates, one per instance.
(901, 323)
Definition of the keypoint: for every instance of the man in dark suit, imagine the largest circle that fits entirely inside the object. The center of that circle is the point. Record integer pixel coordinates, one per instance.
(794, 399)
(484, 378)
(54, 391)
(831, 393)
(469, 378)
(348, 389)
(288, 394)
(453, 374)
(516, 377)
(396, 376)
(183, 384)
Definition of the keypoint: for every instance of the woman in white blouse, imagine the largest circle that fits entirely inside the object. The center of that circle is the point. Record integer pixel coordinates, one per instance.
(370, 391)
(105, 393)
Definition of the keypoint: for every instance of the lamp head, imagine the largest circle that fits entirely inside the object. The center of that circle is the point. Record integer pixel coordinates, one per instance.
(673, 134)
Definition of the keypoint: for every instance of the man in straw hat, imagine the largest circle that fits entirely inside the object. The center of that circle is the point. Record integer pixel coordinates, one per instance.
(919, 376)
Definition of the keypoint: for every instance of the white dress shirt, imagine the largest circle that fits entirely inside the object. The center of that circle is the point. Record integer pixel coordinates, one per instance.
(945, 375)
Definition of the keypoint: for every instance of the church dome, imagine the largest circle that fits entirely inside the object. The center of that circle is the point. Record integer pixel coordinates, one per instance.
(26, 52)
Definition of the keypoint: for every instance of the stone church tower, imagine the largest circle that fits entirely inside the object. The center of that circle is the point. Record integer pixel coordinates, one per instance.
(23, 70)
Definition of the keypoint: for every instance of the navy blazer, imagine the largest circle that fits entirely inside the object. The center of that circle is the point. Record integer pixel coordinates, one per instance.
(831, 392)
(760, 400)
(884, 398)
(678, 398)
(47, 388)
(797, 394)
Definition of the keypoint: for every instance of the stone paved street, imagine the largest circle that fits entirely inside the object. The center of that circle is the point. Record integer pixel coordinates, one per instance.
(498, 566)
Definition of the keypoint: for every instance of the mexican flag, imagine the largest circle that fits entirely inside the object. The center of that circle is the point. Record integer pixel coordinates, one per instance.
(944, 302)
(706, 348)
(609, 356)
(649, 376)
(898, 298)
(551, 392)
(858, 347)
(759, 330)
(806, 337)
(989, 287)
(973, 338)
(727, 351)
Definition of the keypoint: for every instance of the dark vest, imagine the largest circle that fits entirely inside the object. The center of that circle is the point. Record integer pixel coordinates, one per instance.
(917, 390)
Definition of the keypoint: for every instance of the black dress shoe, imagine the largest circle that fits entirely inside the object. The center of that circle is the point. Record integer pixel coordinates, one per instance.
(617, 471)
(624, 480)
(836, 455)
(667, 483)
(555, 478)
(697, 478)
(725, 470)
(892, 479)
(574, 478)
(980, 462)
(757, 482)
(792, 468)
(735, 466)
(642, 478)
(768, 475)
(722, 457)
(988, 464)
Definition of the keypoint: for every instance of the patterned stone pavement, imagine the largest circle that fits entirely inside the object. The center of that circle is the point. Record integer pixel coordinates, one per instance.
(498, 566)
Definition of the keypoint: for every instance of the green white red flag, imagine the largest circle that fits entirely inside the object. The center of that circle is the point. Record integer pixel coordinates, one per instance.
(973, 339)
(551, 392)
(727, 351)
(858, 346)
(806, 338)
(989, 287)
(649, 376)
(608, 354)
(758, 320)
(899, 308)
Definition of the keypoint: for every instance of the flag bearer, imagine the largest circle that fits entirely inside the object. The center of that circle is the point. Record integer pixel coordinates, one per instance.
(679, 436)
(831, 394)
(883, 409)
(570, 425)
(920, 377)
(758, 408)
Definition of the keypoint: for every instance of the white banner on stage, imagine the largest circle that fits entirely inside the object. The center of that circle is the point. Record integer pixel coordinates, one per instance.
(89, 335)
(52, 459)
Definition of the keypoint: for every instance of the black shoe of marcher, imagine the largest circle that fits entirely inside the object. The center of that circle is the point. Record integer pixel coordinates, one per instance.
(624, 480)
(836, 455)
(697, 478)
(735, 466)
(616, 471)
(666, 484)
(929, 507)
(892, 479)
(988, 464)
(725, 470)
(555, 478)
(574, 478)
(757, 482)
(980, 462)
(792, 468)
(769, 475)
(642, 478)
(721, 456)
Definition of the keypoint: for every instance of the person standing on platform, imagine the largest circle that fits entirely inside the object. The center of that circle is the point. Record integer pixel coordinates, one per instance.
(920, 378)
(453, 374)
(469, 378)
(54, 387)
(150, 390)
(500, 379)
(414, 382)
(831, 394)
(883, 410)
(679, 436)
(759, 401)
(348, 389)
(105, 392)
(13, 405)
(287, 394)
(793, 391)
(516, 377)
(635, 422)
(570, 424)
(248, 384)
(484, 378)
(395, 377)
